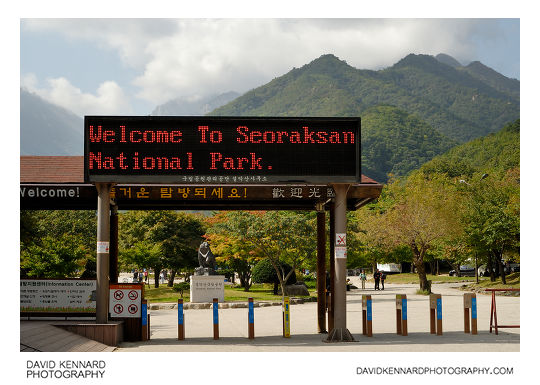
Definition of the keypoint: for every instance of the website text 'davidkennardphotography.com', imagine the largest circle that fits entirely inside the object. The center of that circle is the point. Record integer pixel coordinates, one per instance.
(434, 370)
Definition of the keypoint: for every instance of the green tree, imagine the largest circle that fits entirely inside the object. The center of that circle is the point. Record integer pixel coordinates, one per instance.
(424, 215)
(264, 272)
(53, 257)
(492, 217)
(56, 234)
(279, 236)
(232, 252)
(160, 239)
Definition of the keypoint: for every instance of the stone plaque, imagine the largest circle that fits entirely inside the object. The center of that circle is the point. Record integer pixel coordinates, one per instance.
(204, 288)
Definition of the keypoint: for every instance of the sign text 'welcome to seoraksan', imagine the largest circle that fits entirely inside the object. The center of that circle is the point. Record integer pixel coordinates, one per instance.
(257, 150)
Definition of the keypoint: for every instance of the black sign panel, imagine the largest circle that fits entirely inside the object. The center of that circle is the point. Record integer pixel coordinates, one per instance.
(225, 150)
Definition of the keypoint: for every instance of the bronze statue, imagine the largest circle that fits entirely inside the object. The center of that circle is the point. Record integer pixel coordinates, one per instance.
(207, 261)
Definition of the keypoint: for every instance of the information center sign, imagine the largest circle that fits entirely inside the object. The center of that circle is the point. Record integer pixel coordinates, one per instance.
(148, 149)
(58, 296)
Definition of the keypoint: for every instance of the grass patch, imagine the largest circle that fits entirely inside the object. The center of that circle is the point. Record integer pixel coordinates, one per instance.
(259, 292)
(512, 282)
(413, 278)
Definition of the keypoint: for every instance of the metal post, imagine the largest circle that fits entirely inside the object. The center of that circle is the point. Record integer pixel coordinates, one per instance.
(102, 260)
(113, 250)
(340, 331)
(321, 271)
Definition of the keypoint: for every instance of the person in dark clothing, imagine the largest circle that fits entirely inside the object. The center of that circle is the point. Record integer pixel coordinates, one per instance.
(383, 277)
(377, 277)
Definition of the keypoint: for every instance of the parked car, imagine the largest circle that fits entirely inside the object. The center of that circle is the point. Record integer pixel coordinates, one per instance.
(464, 271)
(512, 268)
(508, 269)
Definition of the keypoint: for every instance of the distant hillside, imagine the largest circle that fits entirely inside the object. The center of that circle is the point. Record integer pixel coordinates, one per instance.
(497, 152)
(458, 104)
(494, 79)
(396, 142)
(47, 129)
(185, 107)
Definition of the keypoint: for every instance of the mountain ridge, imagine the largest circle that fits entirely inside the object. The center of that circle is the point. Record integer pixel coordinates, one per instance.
(453, 101)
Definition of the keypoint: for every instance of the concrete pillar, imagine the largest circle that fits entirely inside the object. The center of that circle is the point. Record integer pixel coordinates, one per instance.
(340, 331)
(321, 271)
(332, 269)
(102, 260)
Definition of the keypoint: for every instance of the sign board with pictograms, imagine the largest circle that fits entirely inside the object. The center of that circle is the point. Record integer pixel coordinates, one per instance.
(125, 300)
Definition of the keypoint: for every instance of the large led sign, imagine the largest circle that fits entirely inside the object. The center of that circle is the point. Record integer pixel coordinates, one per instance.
(148, 149)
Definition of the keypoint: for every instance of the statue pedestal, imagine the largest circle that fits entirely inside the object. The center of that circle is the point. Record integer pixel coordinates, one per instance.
(204, 288)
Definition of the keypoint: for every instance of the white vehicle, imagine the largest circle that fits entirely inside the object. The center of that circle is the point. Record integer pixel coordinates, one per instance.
(389, 267)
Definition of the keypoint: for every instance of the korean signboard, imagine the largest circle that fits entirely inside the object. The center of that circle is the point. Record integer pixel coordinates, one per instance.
(58, 296)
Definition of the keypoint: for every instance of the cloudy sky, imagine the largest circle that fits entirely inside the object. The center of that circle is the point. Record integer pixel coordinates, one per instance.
(129, 66)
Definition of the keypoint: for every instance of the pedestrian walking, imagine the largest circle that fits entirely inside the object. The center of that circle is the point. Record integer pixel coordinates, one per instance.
(145, 275)
(383, 277)
(377, 278)
(363, 279)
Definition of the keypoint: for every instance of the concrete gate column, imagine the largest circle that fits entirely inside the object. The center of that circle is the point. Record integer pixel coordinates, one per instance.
(340, 331)
(102, 259)
(321, 269)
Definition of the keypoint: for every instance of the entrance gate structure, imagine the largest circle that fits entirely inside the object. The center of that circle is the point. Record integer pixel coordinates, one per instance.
(116, 176)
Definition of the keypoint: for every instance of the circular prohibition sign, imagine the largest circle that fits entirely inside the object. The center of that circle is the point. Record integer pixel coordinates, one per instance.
(118, 308)
(118, 295)
(133, 309)
(132, 295)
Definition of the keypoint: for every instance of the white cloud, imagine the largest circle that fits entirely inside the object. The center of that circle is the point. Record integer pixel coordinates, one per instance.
(190, 57)
(109, 98)
(224, 55)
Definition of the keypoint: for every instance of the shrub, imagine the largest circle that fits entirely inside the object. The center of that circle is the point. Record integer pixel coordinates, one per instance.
(264, 272)
(178, 287)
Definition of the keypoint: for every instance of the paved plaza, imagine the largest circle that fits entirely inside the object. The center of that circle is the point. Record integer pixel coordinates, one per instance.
(233, 326)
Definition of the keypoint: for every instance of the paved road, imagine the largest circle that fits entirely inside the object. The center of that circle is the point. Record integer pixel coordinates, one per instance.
(304, 336)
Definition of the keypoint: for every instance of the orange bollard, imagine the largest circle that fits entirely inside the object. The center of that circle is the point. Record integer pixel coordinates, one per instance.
(251, 319)
(401, 314)
(435, 314)
(469, 313)
(144, 320)
(215, 306)
(180, 319)
(367, 316)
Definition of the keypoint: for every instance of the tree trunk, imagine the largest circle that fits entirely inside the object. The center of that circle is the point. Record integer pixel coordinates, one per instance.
(422, 277)
(170, 283)
(156, 277)
(418, 261)
(490, 267)
(501, 267)
(245, 281)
